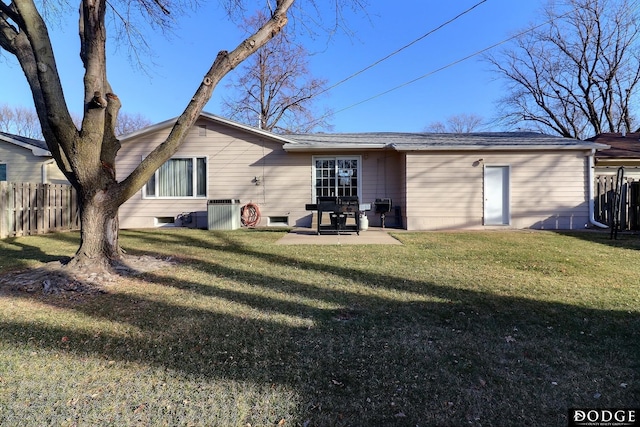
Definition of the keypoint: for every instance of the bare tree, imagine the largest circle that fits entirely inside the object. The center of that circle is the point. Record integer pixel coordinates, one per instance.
(275, 88)
(87, 156)
(128, 123)
(576, 75)
(20, 121)
(459, 123)
(24, 121)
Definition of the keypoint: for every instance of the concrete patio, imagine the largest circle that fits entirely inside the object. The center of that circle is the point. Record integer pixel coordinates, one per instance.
(309, 236)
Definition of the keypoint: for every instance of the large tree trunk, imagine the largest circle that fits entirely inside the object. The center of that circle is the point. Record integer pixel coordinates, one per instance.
(99, 248)
(87, 156)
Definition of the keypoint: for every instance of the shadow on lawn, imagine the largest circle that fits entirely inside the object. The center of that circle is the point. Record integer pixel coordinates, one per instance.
(445, 356)
(15, 251)
(625, 239)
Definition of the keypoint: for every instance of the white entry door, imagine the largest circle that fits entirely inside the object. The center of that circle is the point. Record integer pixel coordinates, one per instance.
(496, 195)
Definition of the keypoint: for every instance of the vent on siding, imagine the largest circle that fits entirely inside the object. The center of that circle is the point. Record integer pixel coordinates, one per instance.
(164, 220)
(202, 130)
(278, 221)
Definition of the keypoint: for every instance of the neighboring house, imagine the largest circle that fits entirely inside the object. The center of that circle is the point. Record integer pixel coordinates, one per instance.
(27, 160)
(435, 181)
(624, 151)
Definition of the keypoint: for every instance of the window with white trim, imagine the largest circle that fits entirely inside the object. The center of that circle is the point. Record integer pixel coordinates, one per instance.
(337, 176)
(179, 178)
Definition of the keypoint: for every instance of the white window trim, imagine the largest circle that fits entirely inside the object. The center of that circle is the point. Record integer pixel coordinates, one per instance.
(195, 180)
(313, 172)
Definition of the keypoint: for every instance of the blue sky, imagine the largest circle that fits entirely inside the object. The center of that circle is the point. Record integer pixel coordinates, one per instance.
(180, 62)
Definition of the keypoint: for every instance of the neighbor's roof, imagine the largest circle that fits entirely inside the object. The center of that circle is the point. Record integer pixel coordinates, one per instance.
(622, 147)
(37, 147)
(436, 141)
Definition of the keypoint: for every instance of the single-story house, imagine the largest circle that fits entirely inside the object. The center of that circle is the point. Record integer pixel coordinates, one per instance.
(434, 181)
(27, 160)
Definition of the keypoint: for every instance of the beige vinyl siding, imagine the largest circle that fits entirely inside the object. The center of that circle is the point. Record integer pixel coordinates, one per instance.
(548, 190)
(234, 160)
(381, 178)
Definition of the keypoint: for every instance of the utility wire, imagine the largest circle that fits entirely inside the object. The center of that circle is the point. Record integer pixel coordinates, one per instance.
(451, 64)
(439, 27)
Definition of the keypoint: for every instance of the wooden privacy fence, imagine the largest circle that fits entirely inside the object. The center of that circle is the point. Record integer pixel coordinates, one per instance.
(30, 208)
(630, 212)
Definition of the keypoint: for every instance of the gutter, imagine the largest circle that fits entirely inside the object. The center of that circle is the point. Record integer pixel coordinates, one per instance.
(488, 147)
(591, 167)
(302, 147)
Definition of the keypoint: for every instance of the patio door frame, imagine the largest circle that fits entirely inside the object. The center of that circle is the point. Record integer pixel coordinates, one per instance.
(358, 169)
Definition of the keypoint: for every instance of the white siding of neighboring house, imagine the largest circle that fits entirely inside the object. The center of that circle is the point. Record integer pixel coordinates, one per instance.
(23, 166)
(235, 159)
(54, 175)
(548, 190)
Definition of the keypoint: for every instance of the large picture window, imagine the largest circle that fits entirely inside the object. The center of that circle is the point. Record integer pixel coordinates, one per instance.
(180, 177)
(337, 176)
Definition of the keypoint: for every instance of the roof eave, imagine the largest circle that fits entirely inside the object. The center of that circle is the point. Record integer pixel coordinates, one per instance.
(212, 117)
(299, 147)
(36, 151)
(617, 159)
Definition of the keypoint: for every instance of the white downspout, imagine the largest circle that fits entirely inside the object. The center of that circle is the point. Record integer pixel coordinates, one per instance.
(44, 170)
(592, 217)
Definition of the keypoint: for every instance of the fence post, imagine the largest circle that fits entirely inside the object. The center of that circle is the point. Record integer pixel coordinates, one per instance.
(4, 209)
(605, 185)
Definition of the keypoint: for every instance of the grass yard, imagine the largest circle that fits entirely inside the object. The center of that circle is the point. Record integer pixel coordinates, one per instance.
(449, 329)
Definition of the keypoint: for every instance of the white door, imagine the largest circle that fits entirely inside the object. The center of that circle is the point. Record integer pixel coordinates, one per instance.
(496, 195)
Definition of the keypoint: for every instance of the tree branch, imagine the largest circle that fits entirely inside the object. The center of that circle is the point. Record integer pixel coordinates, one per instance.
(223, 64)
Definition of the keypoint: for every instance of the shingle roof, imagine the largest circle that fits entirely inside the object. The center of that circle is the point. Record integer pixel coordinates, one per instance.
(400, 141)
(622, 147)
(436, 141)
(38, 147)
(221, 120)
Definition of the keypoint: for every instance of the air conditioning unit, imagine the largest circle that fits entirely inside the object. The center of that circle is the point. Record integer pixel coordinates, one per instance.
(223, 214)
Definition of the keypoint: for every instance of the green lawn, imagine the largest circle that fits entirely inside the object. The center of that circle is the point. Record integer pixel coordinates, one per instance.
(449, 329)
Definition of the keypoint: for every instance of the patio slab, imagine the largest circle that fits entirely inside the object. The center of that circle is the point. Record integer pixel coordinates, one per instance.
(309, 236)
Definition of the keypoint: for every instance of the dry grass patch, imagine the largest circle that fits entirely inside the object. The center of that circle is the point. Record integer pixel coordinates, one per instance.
(481, 328)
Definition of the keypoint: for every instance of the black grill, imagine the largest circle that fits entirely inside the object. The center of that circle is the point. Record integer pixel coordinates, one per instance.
(339, 209)
(383, 207)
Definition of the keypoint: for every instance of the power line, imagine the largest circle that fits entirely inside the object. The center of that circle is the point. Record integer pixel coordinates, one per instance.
(439, 27)
(451, 64)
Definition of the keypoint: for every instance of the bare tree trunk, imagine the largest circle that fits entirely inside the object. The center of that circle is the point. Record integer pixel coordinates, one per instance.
(87, 156)
(99, 247)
